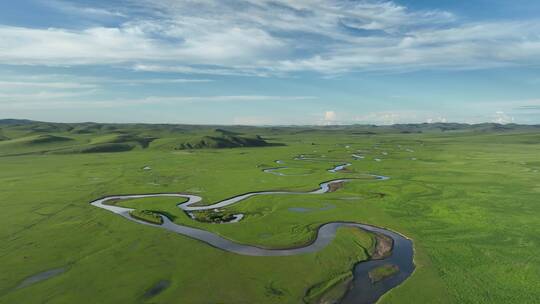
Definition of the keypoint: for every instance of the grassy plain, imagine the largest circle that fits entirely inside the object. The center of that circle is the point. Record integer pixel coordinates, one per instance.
(468, 199)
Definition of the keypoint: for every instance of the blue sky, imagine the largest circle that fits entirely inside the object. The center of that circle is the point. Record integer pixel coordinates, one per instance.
(271, 62)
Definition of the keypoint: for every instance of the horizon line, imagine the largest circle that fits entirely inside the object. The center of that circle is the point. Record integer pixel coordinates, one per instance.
(275, 125)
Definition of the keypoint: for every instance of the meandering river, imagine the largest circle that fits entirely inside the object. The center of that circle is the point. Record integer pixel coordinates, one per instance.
(362, 290)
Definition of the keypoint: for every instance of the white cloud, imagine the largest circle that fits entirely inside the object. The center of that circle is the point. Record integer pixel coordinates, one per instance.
(502, 118)
(61, 47)
(381, 117)
(156, 81)
(234, 71)
(49, 85)
(469, 46)
(268, 37)
(40, 96)
(330, 116)
(75, 82)
(48, 100)
(228, 98)
(396, 117)
(83, 11)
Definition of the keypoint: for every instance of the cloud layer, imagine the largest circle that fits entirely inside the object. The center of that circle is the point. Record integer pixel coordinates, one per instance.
(273, 38)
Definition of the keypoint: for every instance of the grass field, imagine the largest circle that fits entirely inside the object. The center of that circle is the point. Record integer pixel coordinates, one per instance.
(468, 197)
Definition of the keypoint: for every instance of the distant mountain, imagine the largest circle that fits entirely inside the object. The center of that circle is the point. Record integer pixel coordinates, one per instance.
(235, 131)
(446, 127)
(11, 122)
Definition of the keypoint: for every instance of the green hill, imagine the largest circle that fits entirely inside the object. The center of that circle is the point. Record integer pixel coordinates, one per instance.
(113, 142)
(224, 141)
(102, 148)
(116, 138)
(37, 139)
(34, 144)
(86, 128)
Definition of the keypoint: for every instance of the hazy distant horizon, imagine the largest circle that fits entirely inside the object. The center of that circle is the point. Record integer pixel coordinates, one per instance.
(245, 125)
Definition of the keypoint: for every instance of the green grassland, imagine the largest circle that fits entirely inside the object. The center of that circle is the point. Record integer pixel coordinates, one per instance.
(467, 196)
